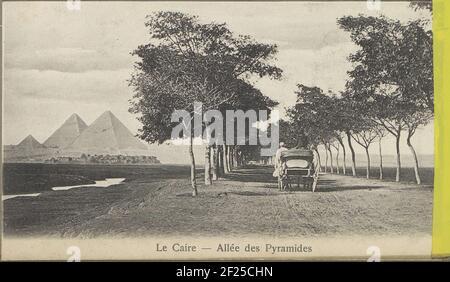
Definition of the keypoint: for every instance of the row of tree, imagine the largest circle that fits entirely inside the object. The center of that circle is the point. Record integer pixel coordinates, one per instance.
(188, 61)
(390, 92)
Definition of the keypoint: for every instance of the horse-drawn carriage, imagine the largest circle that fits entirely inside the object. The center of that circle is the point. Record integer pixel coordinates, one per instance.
(297, 165)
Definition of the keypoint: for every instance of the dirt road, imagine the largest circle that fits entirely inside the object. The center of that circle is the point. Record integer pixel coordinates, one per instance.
(246, 202)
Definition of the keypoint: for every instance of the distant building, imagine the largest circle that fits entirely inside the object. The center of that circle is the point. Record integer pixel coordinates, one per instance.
(104, 159)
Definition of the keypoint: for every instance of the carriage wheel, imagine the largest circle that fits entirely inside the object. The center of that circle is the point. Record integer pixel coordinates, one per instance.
(314, 184)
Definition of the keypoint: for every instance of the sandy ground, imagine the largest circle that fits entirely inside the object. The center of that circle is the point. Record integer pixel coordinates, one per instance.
(246, 202)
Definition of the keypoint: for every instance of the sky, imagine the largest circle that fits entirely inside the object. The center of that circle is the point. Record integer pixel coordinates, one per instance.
(59, 61)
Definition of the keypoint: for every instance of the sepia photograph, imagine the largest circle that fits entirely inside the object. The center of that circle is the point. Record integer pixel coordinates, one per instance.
(299, 130)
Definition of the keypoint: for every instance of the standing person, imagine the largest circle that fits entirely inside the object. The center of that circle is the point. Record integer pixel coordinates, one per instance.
(277, 163)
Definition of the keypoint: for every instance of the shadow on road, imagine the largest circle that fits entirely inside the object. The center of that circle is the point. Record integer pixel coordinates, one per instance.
(345, 188)
(257, 174)
(264, 175)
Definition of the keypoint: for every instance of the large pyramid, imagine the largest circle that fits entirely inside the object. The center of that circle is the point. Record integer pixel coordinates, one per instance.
(107, 135)
(66, 133)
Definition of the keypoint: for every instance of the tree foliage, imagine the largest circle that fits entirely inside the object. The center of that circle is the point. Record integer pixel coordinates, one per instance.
(188, 61)
(394, 60)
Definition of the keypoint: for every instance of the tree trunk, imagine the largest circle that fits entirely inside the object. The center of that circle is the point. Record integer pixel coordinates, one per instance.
(326, 159)
(381, 159)
(229, 161)
(232, 158)
(338, 171)
(352, 151)
(368, 163)
(215, 164)
(416, 161)
(399, 163)
(319, 163)
(344, 153)
(208, 180)
(331, 159)
(226, 168)
(220, 161)
(193, 176)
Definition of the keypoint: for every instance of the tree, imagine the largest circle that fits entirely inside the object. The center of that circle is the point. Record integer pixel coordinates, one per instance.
(344, 153)
(393, 74)
(288, 133)
(336, 147)
(314, 117)
(352, 151)
(327, 145)
(413, 122)
(365, 137)
(345, 117)
(164, 82)
(394, 58)
(381, 133)
(353, 118)
(246, 98)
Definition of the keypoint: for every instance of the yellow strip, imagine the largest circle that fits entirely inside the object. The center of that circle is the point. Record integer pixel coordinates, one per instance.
(441, 49)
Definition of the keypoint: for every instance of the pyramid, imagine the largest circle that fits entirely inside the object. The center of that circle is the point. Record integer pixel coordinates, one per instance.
(107, 135)
(66, 133)
(29, 144)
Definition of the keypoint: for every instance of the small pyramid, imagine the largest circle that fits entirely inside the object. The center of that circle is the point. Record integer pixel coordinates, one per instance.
(29, 144)
(66, 133)
(107, 134)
